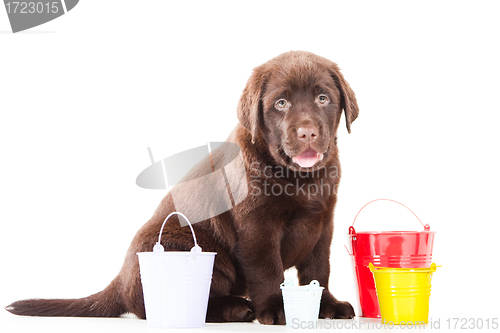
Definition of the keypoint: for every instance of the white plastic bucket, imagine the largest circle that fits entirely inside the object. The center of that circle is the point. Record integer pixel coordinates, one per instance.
(301, 302)
(176, 285)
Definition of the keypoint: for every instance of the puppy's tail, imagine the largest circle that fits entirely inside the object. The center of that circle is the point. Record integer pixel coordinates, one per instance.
(106, 303)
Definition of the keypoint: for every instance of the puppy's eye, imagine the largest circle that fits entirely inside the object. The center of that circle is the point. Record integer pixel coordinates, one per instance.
(281, 104)
(322, 99)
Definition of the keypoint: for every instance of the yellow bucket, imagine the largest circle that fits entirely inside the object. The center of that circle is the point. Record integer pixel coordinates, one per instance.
(403, 293)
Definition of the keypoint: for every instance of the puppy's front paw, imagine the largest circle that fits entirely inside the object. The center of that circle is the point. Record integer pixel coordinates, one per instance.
(336, 310)
(272, 312)
(229, 308)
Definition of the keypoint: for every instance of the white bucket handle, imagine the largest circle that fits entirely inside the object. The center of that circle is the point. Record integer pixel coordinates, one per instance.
(313, 288)
(159, 248)
(351, 228)
(288, 282)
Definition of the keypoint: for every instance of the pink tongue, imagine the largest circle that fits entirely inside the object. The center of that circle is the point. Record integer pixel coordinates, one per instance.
(307, 159)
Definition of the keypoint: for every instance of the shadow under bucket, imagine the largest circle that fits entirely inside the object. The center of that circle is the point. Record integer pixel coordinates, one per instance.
(398, 249)
(176, 284)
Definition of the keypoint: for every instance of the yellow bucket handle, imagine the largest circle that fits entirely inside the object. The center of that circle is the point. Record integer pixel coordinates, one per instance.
(431, 269)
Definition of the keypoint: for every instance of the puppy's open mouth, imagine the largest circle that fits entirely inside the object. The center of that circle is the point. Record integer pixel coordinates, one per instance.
(308, 158)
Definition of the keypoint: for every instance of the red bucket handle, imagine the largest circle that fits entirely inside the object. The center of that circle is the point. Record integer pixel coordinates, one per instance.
(351, 228)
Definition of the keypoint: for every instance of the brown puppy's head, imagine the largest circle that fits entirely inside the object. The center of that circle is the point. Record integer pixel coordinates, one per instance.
(294, 103)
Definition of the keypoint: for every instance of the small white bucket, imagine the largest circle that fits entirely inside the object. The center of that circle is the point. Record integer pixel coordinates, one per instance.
(176, 285)
(301, 302)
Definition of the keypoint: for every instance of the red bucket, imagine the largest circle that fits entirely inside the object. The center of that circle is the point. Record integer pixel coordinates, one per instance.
(400, 249)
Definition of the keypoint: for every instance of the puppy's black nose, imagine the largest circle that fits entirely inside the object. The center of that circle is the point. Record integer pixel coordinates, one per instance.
(307, 133)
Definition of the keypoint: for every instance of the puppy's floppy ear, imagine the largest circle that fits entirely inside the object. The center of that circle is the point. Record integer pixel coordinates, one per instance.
(250, 104)
(348, 99)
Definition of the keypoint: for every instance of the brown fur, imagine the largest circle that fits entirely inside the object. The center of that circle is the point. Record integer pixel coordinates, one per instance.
(265, 234)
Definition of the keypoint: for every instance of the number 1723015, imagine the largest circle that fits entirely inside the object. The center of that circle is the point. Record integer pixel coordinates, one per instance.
(39, 7)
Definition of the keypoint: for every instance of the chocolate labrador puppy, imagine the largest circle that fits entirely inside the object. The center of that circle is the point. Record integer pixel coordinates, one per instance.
(289, 113)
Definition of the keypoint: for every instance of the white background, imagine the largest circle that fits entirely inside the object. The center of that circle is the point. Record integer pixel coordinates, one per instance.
(82, 97)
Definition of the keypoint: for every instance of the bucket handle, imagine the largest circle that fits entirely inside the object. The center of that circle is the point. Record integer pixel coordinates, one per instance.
(312, 289)
(288, 282)
(351, 228)
(159, 248)
(430, 269)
